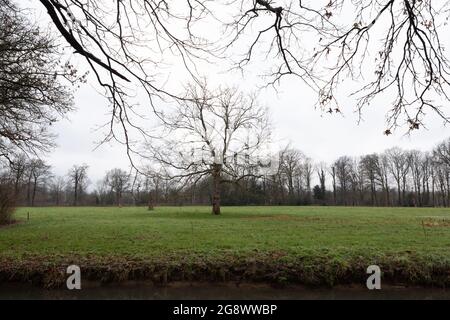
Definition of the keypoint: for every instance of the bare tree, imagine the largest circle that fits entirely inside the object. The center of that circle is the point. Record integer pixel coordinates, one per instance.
(415, 159)
(321, 169)
(7, 200)
(101, 192)
(18, 168)
(343, 168)
(57, 186)
(369, 165)
(118, 181)
(357, 183)
(383, 177)
(333, 177)
(441, 162)
(427, 172)
(291, 162)
(153, 184)
(34, 84)
(442, 152)
(78, 177)
(399, 168)
(308, 168)
(442, 179)
(38, 172)
(214, 134)
(136, 184)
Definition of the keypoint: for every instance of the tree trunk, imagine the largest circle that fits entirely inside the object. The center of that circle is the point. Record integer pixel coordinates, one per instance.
(29, 191)
(388, 195)
(217, 168)
(75, 197)
(264, 190)
(403, 191)
(433, 195)
(150, 201)
(448, 188)
(334, 193)
(119, 199)
(16, 187)
(34, 192)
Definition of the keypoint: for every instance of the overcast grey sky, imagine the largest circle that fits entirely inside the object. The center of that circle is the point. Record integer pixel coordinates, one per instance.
(321, 136)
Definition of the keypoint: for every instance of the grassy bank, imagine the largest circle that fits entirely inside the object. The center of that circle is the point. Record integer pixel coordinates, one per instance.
(309, 245)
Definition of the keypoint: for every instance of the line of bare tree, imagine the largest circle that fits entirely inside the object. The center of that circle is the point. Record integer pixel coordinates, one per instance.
(395, 177)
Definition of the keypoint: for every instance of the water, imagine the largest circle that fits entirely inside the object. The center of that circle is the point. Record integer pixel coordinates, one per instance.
(192, 291)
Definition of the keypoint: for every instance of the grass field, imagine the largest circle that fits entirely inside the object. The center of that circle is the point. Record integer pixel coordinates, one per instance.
(300, 244)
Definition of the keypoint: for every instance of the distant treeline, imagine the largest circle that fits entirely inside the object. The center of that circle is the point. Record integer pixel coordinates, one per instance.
(395, 177)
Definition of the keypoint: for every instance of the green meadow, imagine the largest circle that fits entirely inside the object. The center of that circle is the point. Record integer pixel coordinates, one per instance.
(407, 242)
